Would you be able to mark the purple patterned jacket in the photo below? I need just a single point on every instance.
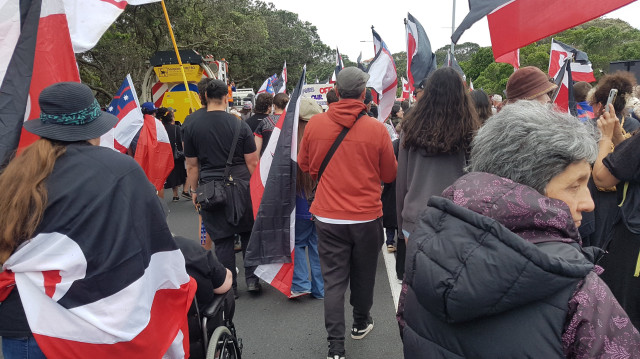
(596, 325)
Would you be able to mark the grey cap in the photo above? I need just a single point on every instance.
(351, 81)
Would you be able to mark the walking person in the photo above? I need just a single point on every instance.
(306, 235)
(347, 204)
(178, 175)
(208, 138)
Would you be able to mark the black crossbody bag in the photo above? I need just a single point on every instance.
(213, 195)
(327, 158)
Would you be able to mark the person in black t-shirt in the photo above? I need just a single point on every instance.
(266, 126)
(262, 109)
(208, 136)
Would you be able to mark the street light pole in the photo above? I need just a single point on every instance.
(453, 23)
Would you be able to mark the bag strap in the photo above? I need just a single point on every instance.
(175, 137)
(236, 134)
(334, 147)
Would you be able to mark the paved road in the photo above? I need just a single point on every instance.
(273, 326)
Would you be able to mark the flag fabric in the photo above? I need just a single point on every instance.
(126, 108)
(406, 91)
(452, 62)
(377, 41)
(359, 62)
(37, 52)
(273, 194)
(421, 61)
(471, 86)
(477, 10)
(512, 58)
(267, 85)
(280, 84)
(518, 23)
(154, 153)
(581, 69)
(383, 78)
(89, 19)
(563, 97)
(104, 280)
(339, 66)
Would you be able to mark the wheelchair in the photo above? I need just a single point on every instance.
(212, 334)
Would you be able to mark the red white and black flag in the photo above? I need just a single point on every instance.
(105, 280)
(421, 61)
(37, 52)
(563, 97)
(383, 77)
(581, 69)
(273, 194)
(339, 66)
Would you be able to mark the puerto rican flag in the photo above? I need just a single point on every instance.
(581, 69)
(383, 78)
(154, 152)
(102, 278)
(37, 52)
(89, 19)
(273, 194)
(126, 108)
(421, 61)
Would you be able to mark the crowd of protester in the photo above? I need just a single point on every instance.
(514, 225)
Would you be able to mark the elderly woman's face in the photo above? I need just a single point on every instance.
(570, 186)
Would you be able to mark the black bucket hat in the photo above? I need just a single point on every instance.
(69, 112)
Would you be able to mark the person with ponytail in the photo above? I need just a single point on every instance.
(80, 231)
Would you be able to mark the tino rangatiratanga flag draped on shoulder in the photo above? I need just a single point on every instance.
(383, 78)
(273, 194)
(421, 61)
(126, 108)
(581, 69)
(102, 278)
(36, 52)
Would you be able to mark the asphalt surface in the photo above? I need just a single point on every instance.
(273, 326)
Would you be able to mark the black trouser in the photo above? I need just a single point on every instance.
(225, 251)
(348, 255)
(401, 252)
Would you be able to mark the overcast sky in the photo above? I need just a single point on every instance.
(346, 23)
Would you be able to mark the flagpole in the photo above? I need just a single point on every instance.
(453, 23)
(175, 47)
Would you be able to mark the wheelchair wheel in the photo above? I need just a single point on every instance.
(222, 345)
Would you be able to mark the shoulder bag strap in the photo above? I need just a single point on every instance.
(334, 147)
(232, 150)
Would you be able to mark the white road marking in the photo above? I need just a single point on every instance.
(390, 263)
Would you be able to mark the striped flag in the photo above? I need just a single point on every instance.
(126, 107)
(154, 153)
(421, 61)
(281, 83)
(273, 194)
(89, 19)
(36, 52)
(383, 78)
(406, 92)
(339, 66)
(102, 277)
(563, 97)
(581, 69)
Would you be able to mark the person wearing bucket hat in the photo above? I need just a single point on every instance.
(529, 83)
(86, 219)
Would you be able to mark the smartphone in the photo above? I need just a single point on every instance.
(612, 97)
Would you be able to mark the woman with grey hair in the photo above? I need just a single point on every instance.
(495, 267)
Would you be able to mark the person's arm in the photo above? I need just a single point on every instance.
(258, 141)
(252, 160)
(596, 324)
(192, 175)
(228, 281)
(401, 186)
(609, 127)
(388, 163)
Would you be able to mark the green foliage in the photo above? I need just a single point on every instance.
(254, 37)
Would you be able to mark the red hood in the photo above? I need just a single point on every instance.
(345, 112)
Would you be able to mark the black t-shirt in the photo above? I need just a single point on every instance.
(203, 267)
(255, 120)
(208, 135)
(265, 128)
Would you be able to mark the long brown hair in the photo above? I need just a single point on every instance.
(23, 198)
(304, 182)
(445, 119)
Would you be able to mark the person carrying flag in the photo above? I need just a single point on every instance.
(347, 205)
(90, 268)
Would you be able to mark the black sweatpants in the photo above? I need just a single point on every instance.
(224, 250)
(348, 255)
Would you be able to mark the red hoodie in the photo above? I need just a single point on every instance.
(350, 188)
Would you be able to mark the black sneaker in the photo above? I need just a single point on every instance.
(254, 287)
(360, 330)
(336, 350)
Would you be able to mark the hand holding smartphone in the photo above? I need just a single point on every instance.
(612, 97)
